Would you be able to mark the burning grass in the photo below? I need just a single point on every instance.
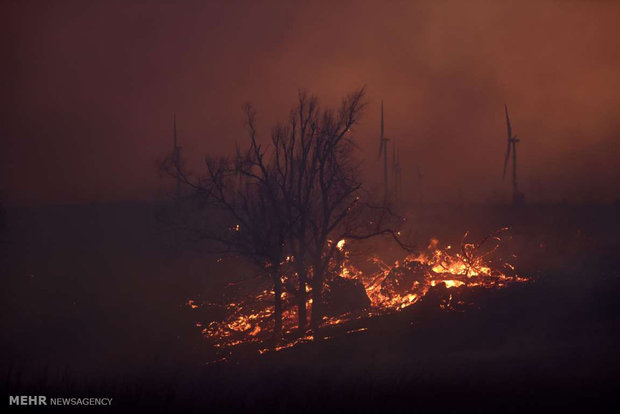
(248, 321)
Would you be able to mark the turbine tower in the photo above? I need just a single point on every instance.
(383, 150)
(512, 146)
(176, 157)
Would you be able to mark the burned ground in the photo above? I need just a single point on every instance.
(95, 296)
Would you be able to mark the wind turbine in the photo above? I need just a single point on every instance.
(512, 146)
(383, 150)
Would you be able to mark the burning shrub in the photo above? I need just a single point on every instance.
(437, 279)
(402, 278)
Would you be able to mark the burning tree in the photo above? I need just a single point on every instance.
(288, 205)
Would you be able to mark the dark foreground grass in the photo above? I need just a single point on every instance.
(550, 345)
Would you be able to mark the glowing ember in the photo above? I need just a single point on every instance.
(389, 289)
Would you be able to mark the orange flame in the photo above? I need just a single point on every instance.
(390, 288)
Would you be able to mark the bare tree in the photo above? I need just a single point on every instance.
(318, 179)
(294, 198)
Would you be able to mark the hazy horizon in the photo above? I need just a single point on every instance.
(91, 88)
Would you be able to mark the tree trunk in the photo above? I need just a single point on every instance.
(277, 313)
(302, 296)
(317, 300)
(301, 306)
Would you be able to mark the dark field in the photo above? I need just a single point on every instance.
(93, 305)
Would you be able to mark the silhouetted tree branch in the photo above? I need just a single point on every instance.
(294, 198)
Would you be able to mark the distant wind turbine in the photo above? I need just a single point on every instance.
(511, 146)
(383, 141)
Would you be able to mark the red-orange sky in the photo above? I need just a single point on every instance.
(89, 89)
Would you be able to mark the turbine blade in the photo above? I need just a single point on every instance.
(506, 160)
(381, 139)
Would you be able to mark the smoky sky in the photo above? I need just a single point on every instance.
(90, 88)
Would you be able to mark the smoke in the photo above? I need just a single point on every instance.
(91, 89)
